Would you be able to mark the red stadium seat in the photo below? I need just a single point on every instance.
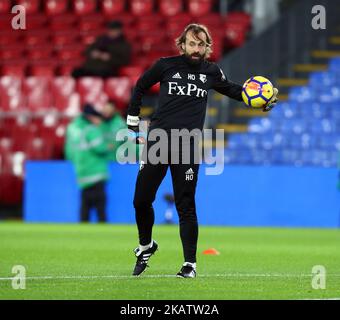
(64, 38)
(153, 56)
(63, 22)
(149, 23)
(71, 52)
(11, 52)
(59, 138)
(6, 146)
(6, 167)
(65, 97)
(143, 62)
(8, 38)
(37, 37)
(42, 70)
(37, 90)
(65, 68)
(90, 89)
(217, 52)
(32, 6)
(56, 7)
(12, 98)
(119, 90)
(90, 36)
(36, 21)
(141, 7)
(170, 7)
(153, 42)
(38, 53)
(112, 7)
(178, 22)
(5, 5)
(235, 35)
(38, 149)
(84, 7)
(6, 23)
(131, 35)
(3, 133)
(133, 80)
(22, 135)
(17, 123)
(101, 100)
(126, 19)
(14, 68)
(217, 33)
(45, 124)
(90, 84)
(90, 23)
(135, 48)
(131, 71)
(11, 186)
(199, 8)
(155, 18)
(241, 18)
(211, 20)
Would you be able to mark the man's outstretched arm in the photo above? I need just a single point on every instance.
(231, 90)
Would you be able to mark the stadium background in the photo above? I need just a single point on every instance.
(280, 168)
(270, 38)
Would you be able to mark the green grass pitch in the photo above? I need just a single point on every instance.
(92, 261)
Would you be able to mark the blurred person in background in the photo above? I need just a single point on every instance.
(107, 54)
(87, 148)
(112, 123)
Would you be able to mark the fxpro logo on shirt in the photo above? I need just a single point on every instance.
(189, 90)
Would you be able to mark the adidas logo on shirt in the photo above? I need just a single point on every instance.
(190, 171)
(189, 175)
(177, 76)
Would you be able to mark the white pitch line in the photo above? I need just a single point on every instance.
(324, 299)
(122, 277)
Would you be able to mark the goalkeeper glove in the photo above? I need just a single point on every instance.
(272, 103)
(134, 133)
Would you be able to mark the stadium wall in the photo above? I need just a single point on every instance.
(240, 196)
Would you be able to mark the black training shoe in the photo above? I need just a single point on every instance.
(187, 272)
(143, 258)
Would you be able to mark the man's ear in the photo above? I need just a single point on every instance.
(183, 46)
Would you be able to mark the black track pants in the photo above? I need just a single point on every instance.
(184, 180)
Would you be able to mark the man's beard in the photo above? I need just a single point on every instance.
(192, 60)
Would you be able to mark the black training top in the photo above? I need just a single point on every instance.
(183, 91)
